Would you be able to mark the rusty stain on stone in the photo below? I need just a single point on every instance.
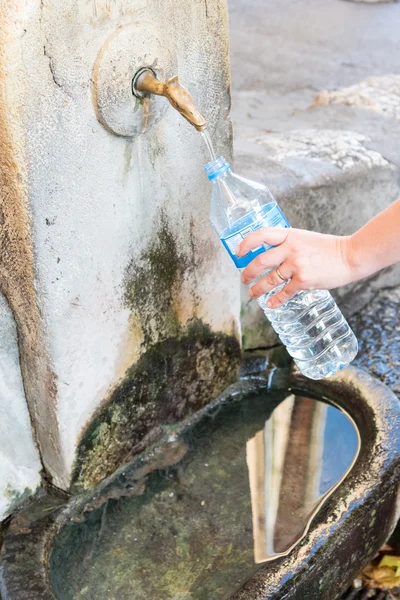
(17, 271)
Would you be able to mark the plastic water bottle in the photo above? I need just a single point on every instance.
(310, 325)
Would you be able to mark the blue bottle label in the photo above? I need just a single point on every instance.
(270, 216)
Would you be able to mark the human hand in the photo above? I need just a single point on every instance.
(310, 260)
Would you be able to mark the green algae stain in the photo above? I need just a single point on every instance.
(155, 150)
(153, 283)
(171, 380)
(139, 102)
(15, 498)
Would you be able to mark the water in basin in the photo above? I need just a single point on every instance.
(237, 488)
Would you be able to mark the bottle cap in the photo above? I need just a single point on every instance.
(216, 167)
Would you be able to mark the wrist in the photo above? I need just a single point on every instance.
(353, 257)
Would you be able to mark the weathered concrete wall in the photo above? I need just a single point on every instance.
(106, 250)
(19, 460)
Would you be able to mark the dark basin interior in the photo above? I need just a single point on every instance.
(233, 490)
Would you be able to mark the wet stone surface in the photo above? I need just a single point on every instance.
(209, 508)
(377, 327)
(171, 380)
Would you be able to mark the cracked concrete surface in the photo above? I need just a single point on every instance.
(52, 71)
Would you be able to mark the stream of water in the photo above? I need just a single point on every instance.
(207, 138)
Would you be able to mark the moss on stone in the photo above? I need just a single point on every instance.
(16, 498)
(172, 379)
(153, 282)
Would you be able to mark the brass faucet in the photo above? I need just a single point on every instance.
(145, 83)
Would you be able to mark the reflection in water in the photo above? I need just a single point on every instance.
(305, 449)
(193, 521)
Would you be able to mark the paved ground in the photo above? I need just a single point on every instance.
(283, 53)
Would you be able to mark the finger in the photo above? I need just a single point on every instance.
(273, 236)
(262, 262)
(269, 282)
(286, 293)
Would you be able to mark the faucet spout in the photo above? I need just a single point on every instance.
(146, 83)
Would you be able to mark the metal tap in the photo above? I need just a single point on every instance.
(145, 83)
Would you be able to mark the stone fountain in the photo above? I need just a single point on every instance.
(119, 335)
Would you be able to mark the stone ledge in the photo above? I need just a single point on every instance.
(378, 94)
(377, 327)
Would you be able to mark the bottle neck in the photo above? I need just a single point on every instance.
(222, 176)
(218, 172)
(217, 168)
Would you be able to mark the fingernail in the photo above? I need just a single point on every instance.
(269, 303)
(238, 252)
(251, 293)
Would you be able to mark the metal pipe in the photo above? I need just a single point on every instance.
(146, 83)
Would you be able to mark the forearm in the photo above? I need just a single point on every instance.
(377, 244)
(317, 261)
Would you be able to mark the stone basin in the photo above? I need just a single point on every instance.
(193, 518)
